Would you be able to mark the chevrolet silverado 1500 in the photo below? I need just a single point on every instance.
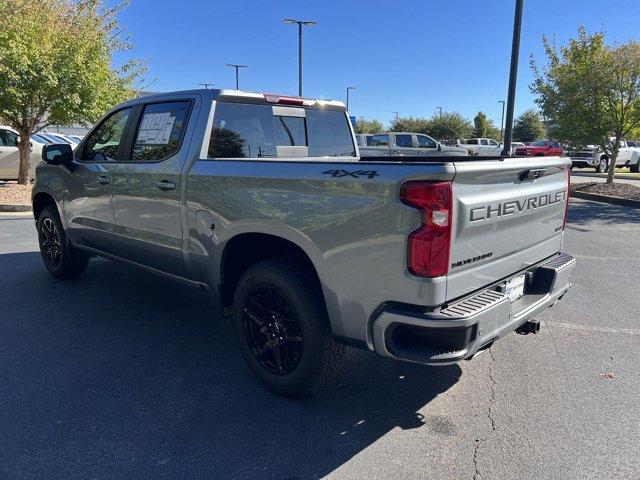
(264, 200)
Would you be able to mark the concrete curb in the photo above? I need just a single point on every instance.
(14, 208)
(606, 199)
(625, 176)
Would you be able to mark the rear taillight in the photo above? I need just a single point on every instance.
(428, 246)
(566, 206)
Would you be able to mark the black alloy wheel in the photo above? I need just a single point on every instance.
(50, 243)
(272, 330)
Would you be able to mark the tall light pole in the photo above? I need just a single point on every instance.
(300, 23)
(348, 89)
(513, 75)
(439, 110)
(502, 122)
(237, 67)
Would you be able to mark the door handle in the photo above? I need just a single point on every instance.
(103, 180)
(165, 185)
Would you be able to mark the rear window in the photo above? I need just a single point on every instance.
(256, 131)
(329, 134)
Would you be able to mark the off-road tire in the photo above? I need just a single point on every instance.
(59, 257)
(603, 165)
(320, 357)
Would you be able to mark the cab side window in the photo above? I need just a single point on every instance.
(426, 142)
(103, 143)
(404, 141)
(160, 131)
(484, 141)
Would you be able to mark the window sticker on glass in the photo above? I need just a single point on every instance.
(160, 130)
(155, 128)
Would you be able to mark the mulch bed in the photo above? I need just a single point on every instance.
(621, 190)
(14, 194)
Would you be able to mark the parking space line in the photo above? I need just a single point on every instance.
(589, 328)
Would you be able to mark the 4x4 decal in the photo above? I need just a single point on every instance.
(357, 174)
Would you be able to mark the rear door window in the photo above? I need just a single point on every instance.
(160, 131)
(404, 141)
(484, 141)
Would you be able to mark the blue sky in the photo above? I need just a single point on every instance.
(407, 56)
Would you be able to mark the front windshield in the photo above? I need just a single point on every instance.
(540, 143)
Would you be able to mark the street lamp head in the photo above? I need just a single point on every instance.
(235, 65)
(351, 88)
(291, 21)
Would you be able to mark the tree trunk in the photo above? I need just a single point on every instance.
(612, 166)
(24, 147)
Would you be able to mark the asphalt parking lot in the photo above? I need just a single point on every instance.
(123, 374)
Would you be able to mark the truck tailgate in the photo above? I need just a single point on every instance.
(508, 215)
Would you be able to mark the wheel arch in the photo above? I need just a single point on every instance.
(41, 200)
(245, 249)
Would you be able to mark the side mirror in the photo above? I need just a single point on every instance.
(57, 154)
(439, 146)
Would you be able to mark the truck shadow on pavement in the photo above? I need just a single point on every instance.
(123, 374)
(581, 213)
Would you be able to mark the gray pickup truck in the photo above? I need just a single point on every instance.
(393, 144)
(264, 200)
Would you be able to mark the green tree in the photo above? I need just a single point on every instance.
(591, 91)
(440, 127)
(56, 65)
(449, 125)
(368, 126)
(483, 127)
(528, 127)
(410, 124)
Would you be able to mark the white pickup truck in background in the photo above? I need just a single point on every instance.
(593, 156)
